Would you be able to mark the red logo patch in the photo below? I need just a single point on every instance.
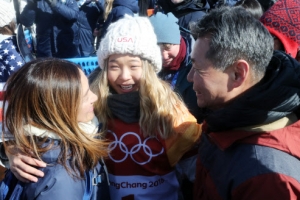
(125, 39)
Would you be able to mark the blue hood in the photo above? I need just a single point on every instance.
(131, 4)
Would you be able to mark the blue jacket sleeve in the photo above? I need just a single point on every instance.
(69, 10)
(56, 184)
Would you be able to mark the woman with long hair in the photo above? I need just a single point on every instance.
(49, 114)
(148, 125)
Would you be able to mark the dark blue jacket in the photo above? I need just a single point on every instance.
(186, 12)
(58, 184)
(120, 8)
(88, 16)
(56, 28)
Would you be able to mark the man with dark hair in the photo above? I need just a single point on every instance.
(249, 148)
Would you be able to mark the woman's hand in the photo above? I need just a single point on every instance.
(23, 167)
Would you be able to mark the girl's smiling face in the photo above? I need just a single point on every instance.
(124, 72)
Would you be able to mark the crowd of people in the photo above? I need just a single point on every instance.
(191, 100)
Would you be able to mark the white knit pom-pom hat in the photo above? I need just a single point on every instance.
(131, 35)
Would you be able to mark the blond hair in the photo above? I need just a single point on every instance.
(108, 8)
(160, 107)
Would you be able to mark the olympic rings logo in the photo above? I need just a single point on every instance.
(135, 149)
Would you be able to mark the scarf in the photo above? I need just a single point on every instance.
(125, 107)
(88, 127)
(175, 64)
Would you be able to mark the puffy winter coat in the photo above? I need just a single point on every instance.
(57, 32)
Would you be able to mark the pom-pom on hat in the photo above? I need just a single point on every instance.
(131, 35)
(283, 21)
(166, 28)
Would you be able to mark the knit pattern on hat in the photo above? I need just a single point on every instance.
(283, 21)
(166, 28)
(131, 35)
(7, 12)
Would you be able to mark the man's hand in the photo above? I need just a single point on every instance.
(23, 167)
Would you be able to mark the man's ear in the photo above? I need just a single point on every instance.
(239, 73)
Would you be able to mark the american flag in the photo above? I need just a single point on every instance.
(10, 59)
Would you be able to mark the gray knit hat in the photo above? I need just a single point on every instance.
(166, 28)
(132, 35)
